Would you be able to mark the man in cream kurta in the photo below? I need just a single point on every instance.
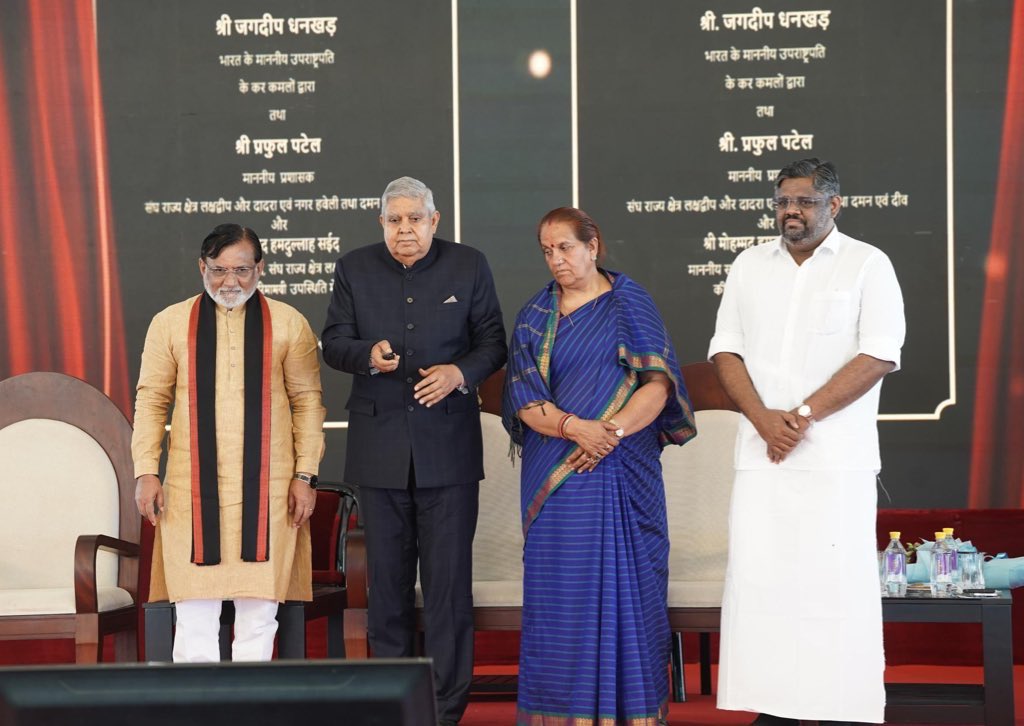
(807, 328)
(230, 263)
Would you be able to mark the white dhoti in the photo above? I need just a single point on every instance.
(801, 612)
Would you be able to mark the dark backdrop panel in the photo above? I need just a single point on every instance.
(193, 93)
(516, 135)
(705, 114)
(174, 114)
(654, 108)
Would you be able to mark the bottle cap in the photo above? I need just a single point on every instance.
(894, 535)
(948, 531)
(940, 535)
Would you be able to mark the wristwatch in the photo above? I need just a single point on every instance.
(311, 479)
(805, 411)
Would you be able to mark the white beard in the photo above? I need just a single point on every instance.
(231, 299)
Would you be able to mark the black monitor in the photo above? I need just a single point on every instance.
(380, 692)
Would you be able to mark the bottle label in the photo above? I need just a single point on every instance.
(895, 564)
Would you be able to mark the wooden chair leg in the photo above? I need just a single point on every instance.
(356, 645)
(126, 646)
(705, 664)
(87, 639)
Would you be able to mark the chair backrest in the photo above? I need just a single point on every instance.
(498, 545)
(65, 470)
(698, 482)
(698, 487)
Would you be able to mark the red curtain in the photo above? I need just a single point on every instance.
(60, 303)
(997, 463)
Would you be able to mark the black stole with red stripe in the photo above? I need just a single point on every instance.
(202, 384)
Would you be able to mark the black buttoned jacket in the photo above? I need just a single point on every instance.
(442, 309)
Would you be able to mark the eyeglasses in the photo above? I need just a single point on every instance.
(218, 273)
(782, 203)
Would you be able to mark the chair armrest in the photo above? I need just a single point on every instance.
(351, 555)
(347, 505)
(86, 599)
(336, 487)
(349, 495)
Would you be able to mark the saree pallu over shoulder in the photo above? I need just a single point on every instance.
(644, 346)
(641, 344)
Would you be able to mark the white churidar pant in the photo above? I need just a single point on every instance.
(801, 612)
(197, 632)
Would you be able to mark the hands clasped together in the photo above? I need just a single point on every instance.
(438, 380)
(595, 439)
(781, 430)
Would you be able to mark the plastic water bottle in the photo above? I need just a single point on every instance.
(951, 541)
(895, 578)
(941, 574)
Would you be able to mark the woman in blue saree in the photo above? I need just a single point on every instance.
(593, 392)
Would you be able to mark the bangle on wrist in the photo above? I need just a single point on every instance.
(562, 424)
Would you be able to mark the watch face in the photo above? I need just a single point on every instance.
(804, 411)
(313, 481)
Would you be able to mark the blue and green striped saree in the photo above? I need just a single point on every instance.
(595, 635)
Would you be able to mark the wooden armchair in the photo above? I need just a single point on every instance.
(69, 528)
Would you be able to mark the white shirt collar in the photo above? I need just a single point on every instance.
(833, 242)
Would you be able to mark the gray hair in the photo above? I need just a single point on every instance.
(823, 174)
(407, 188)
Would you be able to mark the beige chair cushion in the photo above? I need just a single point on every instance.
(695, 594)
(698, 487)
(57, 601)
(56, 483)
(498, 545)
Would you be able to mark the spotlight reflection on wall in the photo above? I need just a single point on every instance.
(539, 64)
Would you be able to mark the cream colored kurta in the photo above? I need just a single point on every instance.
(296, 444)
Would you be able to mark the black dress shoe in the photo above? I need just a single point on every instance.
(766, 719)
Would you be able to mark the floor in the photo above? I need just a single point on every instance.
(495, 710)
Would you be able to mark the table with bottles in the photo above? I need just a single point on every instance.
(955, 593)
(990, 703)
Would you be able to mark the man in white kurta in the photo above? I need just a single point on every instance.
(807, 328)
(230, 265)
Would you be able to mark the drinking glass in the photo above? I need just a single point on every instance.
(971, 575)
